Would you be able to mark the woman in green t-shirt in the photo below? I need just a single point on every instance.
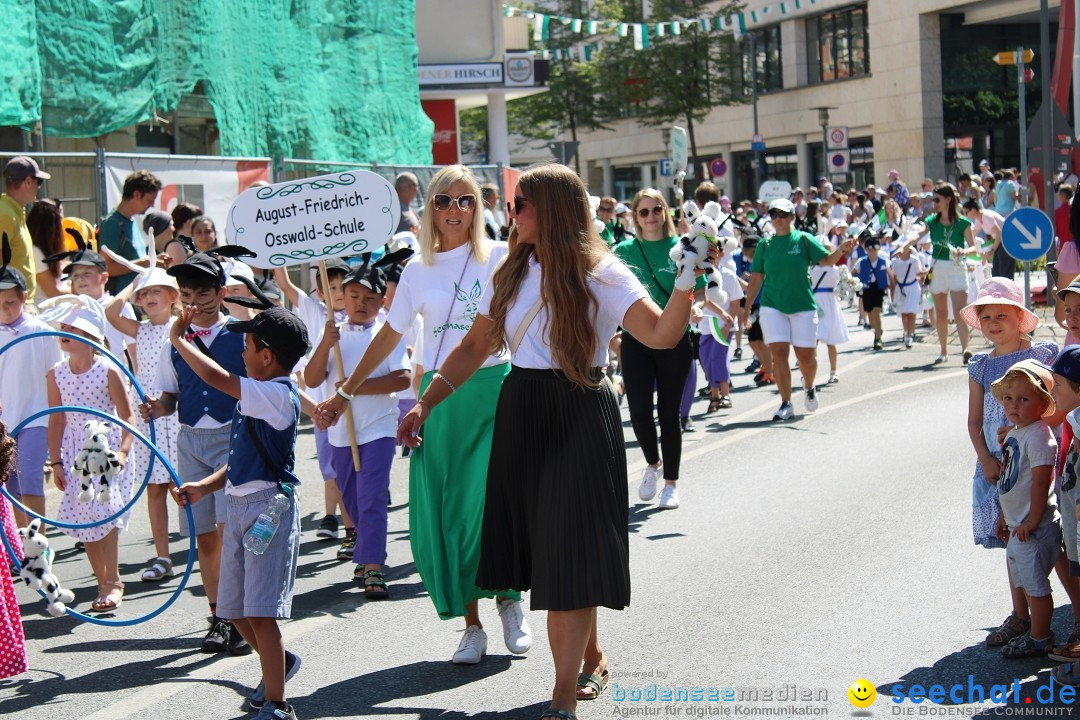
(644, 368)
(950, 234)
(788, 311)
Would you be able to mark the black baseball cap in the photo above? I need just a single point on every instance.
(85, 257)
(281, 330)
(872, 242)
(200, 266)
(1067, 363)
(372, 278)
(270, 288)
(337, 264)
(11, 278)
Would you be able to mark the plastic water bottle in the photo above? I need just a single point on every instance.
(260, 535)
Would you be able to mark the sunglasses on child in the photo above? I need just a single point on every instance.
(464, 202)
(645, 212)
(779, 214)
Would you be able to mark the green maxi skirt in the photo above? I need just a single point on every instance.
(447, 488)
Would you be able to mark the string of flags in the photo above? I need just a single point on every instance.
(736, 23)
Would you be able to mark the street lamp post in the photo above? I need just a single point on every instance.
(823, 121)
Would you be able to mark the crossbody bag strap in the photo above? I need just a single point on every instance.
(524, 326)
(819, 281)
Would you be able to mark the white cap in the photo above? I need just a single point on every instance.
(155, 277)
(621, 208)
(235, 270)
(783, 205)
(79, 311)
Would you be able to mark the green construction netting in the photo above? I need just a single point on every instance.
(317, 79)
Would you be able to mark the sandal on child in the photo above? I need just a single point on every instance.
(557, 713)
(725, 402)
(110, 600)
(374, 584)
(714, 405)
(1012, 628)
(1026, 646)
(1067, 674)
(597, 683)
(159, 569)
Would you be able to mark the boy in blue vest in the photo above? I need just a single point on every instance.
(873, 272)
(256, 590)
(205, 415)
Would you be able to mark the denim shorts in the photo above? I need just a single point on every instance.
(1031, 562)
(257, 585)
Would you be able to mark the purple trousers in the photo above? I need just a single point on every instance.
(365, 495)
(714, 360)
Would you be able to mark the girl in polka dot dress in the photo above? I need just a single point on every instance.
(155, 291)
(87, 379)
(12, 641)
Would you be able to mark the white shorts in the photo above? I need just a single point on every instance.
(948, 277)
(798, 329)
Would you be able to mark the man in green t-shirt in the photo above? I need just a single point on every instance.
(788, 312)
(116, 233)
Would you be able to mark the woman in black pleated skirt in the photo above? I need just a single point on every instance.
(555, 518)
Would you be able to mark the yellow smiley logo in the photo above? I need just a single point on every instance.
(862, 693)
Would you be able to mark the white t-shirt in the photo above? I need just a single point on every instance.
(269, 400)
(118, 340)
(908, 269)
(413, 339)
(729, 283)
(374, 416)
(167, 381)
(613, 284)
(1025, 448)
(23, 390)
(447, 306)
(313, 314)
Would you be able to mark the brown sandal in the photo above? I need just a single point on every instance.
(110, 600)
(1013, 627)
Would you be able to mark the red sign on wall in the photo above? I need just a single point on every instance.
(444, 146)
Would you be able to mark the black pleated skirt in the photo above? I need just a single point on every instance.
(555, 517)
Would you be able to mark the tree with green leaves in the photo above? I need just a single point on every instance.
(687, 75)
(573, 101)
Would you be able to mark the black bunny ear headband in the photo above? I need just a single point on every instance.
(80, 243)
(373, 277)
(259, 302)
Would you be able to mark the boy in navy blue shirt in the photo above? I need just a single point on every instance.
(873, 271)
(256, 590)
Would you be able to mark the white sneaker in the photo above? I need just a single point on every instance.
(908, 340)
(810, 399)
(833, 379)
(472, 648)
(647, 489)
(786, 412)
(516, 632)
(669, 497)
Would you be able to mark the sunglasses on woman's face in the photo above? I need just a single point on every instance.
(937, 199)
(779, 214)
(444, 202)
(645, 212)
(519, 203)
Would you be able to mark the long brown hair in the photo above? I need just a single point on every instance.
(948, 192)
(567, 248)
(45, 223)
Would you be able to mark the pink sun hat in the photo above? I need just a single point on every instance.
(1000, 291)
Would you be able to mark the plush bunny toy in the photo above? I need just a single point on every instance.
(692, 251)
(36, 569)
(96, 460)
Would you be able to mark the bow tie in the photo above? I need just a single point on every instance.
(195, 333)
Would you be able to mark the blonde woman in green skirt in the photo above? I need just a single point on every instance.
(448, 475)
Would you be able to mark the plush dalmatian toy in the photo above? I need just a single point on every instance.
(96, 460)
(36, 569)
(692, 251)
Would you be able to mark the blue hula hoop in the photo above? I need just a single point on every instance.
(69, 408)
(156, 454)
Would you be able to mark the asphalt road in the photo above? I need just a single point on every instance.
(805, 556)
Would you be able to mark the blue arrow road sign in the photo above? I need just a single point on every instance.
(1027, 234)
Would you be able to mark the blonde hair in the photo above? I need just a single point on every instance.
(429, 235)
(568, 249)
(652, 194)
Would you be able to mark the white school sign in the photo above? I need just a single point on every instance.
(305, 221)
